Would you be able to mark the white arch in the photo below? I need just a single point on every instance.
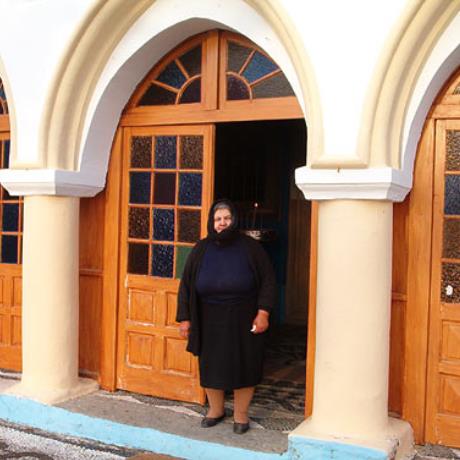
(159, 30)
(443, 61)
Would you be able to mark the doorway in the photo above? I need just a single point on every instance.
(254, 167)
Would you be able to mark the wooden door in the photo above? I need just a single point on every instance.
(443, 397)
(11, 210)
(166, 194)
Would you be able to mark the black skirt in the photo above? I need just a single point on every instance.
(231, 355)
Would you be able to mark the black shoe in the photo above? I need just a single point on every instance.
(208, 422)
(240, 428)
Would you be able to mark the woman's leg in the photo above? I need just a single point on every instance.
(242, 398)
(216, 402)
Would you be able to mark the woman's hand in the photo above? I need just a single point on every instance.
(184, 329)
(260, 323)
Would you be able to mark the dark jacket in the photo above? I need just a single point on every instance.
(188, 308)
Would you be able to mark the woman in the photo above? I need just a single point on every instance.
(225, 296)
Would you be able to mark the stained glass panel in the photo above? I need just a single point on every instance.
(9, 249)
(164, 188)
(182, 252)
(191, 152)
(172, 76)
(237, 89)
(6, 154)
(141, 152)
(139, 187)
(192, 93)
(10, 218)
(162, 260)
(157, 95)
(450, 289)
(3, 103)
(451, 244)
(276, 86)
(163, 224)
(138, 258)
(139, 223)
(258, 67)
(452, 195)
(189, 225)
(237, 55)
(190, 185)
(191, 60)
(453, 150)
(165, 152)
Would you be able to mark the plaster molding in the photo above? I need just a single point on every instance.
(395, 77)
(30, 182)
(353, 184)
(90, 49)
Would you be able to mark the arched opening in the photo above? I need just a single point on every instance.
(214, 117)
(11, 218)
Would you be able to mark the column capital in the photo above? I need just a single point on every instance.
(29, 182)
(353, 184)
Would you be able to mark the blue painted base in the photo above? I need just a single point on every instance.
(57, 420)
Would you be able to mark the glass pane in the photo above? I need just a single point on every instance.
(172, 76)
(162, 260)
(141, 152)
(190, 189)
(139, 223)
(192, 93)
(6, 154)
(191, 60)
(157, 95)
(452, 195)
(163, 224)
(9, 249)
(453, 151)
(276, 86)
(7, 196)
(236, 89)
(259, 66)
(450, 289)
(164, 188)
(181, 257)
(189, 226)
(451, 246)
(139, 187)
(191, 152)
(165, 152)
(10, 217)
(138, 258)
(237, 55)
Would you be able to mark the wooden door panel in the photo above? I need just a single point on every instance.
(443, 386)
(162, 216)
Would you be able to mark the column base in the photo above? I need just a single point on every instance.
(48, 395)
(395, 443)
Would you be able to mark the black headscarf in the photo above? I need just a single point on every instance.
(230, 233)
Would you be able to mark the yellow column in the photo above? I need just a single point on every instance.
(353, 323)
(50, 301)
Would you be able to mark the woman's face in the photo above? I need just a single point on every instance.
(222, 219)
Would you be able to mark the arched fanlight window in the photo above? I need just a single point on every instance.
(11, 207)
(3, 103)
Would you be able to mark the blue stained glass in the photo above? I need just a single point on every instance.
(2, 91)
(10, 217)
(6, 154)
(163, 224)
(162, 260)
(452, 195)
(165, 152)
(172, 76)
(190, 185)
(259, 66)
(9, 249)
(139, 187)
